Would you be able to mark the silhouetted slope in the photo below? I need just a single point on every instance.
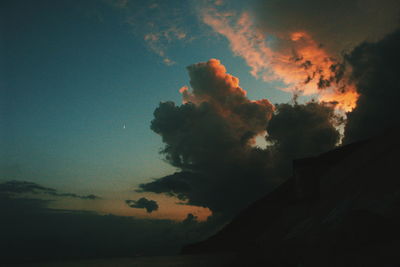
(340, 208)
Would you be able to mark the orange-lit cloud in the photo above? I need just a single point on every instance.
(346, 100)
(296, 59)
(222, 90)
(212, 141)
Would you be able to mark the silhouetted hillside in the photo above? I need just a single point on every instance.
(341, 208)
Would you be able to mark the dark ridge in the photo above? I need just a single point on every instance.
(338, 205)
(266, 211)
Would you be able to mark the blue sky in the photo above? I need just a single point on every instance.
(74, 73)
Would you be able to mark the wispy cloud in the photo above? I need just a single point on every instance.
(295, 58)
(158, 41)
(160, 24)
(24, 187)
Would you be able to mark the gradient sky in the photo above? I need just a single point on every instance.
(84, 115)
(80, 84)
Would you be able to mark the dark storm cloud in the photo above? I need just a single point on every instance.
(338, 25)
(177, 185)
(303, 130)
(376, 73)
(143, 203)
(23, 187)
(211, 139)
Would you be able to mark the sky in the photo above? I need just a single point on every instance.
(81, 85)
(179, 114)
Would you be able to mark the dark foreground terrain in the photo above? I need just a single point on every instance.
(341, 208)
(200, 260)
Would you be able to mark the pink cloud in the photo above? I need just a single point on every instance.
(299, 62)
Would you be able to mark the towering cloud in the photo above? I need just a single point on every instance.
(211, 139)
(376, 73)
(217, 120)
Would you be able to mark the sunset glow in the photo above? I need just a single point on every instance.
(301, 63)
(137, 129)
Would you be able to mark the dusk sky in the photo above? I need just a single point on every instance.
(182, 113)
(81, 84)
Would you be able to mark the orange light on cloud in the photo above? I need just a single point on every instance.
(345, 101)
(169, 208)
(299, 61)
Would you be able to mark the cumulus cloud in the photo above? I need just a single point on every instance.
(23, 187)
(143, 203)
(211, 139)
(376, 73)
(215, 120)
(312, 129)
(299, 131)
